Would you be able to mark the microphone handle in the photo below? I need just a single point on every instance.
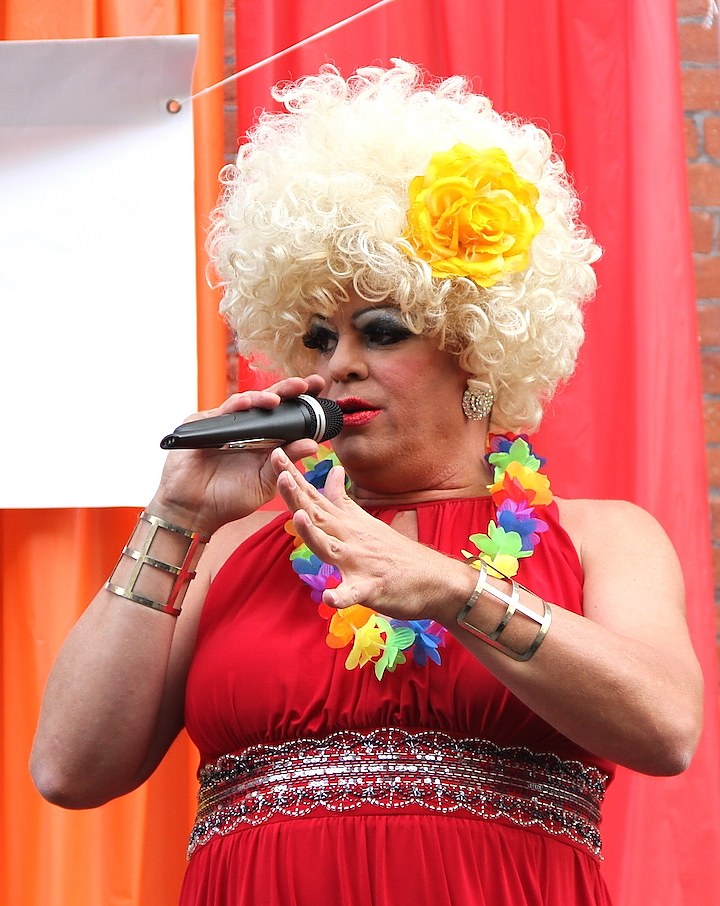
(252, 428)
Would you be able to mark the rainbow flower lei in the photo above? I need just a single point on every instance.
(518, 489)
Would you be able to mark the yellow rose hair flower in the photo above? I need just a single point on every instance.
(471, 215)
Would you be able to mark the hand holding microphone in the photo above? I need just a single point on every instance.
(304, 416)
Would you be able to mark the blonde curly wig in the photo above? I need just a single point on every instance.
(317, 204)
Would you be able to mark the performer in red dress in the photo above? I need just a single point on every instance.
(413, 685)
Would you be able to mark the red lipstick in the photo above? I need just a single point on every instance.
(357, 412)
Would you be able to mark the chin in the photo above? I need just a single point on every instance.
(359, 452)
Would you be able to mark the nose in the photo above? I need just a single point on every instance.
(348, 361)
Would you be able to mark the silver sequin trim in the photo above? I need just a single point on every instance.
(393, 769)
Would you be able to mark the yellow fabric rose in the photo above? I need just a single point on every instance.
(471, 215)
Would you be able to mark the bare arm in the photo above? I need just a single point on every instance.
(114, 700)
(621, 681)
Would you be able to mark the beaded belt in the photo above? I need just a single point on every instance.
(394, 769)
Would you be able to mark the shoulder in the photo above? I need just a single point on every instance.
(228, 538)
(610, 526)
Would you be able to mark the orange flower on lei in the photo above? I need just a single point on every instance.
(344, 624)
(532, 485)
(471, 215)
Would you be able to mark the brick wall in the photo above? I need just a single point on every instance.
(700, 65)
(700, 68)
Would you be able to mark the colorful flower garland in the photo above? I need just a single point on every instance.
(518, 489)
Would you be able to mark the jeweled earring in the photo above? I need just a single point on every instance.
(477, 400)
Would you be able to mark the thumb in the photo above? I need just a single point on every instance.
(343, 595)
(335, 487)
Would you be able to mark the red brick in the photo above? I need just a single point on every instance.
(703, 231)
(698, 44)
(712, 455)
(715, 516)
(711, 136)
(231, 128)
(707, 276)
(230, 88)
(710, 362)
(701, 89)
(691, 138)
(687, 7)
(704, 184)
(229, 36)
(711, 419)
(709, 324)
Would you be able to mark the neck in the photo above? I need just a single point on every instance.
(401, 487)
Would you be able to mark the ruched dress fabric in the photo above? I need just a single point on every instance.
(262, 675)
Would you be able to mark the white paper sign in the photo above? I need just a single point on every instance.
(98, 355)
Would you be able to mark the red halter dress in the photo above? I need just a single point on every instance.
(433, 785)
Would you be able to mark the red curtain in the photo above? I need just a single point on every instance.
(130, 852)
(604, 79)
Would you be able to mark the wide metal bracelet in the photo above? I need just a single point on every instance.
(184, 573)
(512, 607)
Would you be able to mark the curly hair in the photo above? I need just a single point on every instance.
(316, 205)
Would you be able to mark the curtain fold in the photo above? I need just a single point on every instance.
(53, 561)
(604, 80)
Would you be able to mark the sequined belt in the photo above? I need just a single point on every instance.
(393, 769)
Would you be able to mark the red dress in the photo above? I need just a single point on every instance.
(266, 692)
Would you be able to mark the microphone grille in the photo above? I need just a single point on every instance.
(333, 419)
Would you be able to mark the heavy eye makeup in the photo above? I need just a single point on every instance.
(377, 327)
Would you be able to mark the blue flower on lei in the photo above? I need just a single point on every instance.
(318, 476)
(428, 639)
(517, 516)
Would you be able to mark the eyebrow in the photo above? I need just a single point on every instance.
(363, 311)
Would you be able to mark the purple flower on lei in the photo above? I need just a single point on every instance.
(516, 516)
(316, 574)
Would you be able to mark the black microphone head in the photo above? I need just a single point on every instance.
(333, 419)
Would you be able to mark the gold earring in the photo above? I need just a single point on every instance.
(478, 399)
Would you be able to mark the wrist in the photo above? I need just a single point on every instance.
(450, 585)
(495, 606)
(187, 517)
(157, 564)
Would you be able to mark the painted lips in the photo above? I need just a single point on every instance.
(357, 412)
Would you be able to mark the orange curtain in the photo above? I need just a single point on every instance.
(130, 852)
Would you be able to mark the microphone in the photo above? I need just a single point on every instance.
(260, 429)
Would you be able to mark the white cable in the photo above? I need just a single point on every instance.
(175, 106)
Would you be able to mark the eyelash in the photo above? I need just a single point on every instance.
(319, 338)
(382, 332)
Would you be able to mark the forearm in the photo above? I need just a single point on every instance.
(101, 704)
(616, 696)
(107, 700)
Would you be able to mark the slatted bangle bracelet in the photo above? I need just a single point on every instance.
(512, 607)
(183, 574)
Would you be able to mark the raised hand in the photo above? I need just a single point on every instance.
(204, 489)
(381, 568)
